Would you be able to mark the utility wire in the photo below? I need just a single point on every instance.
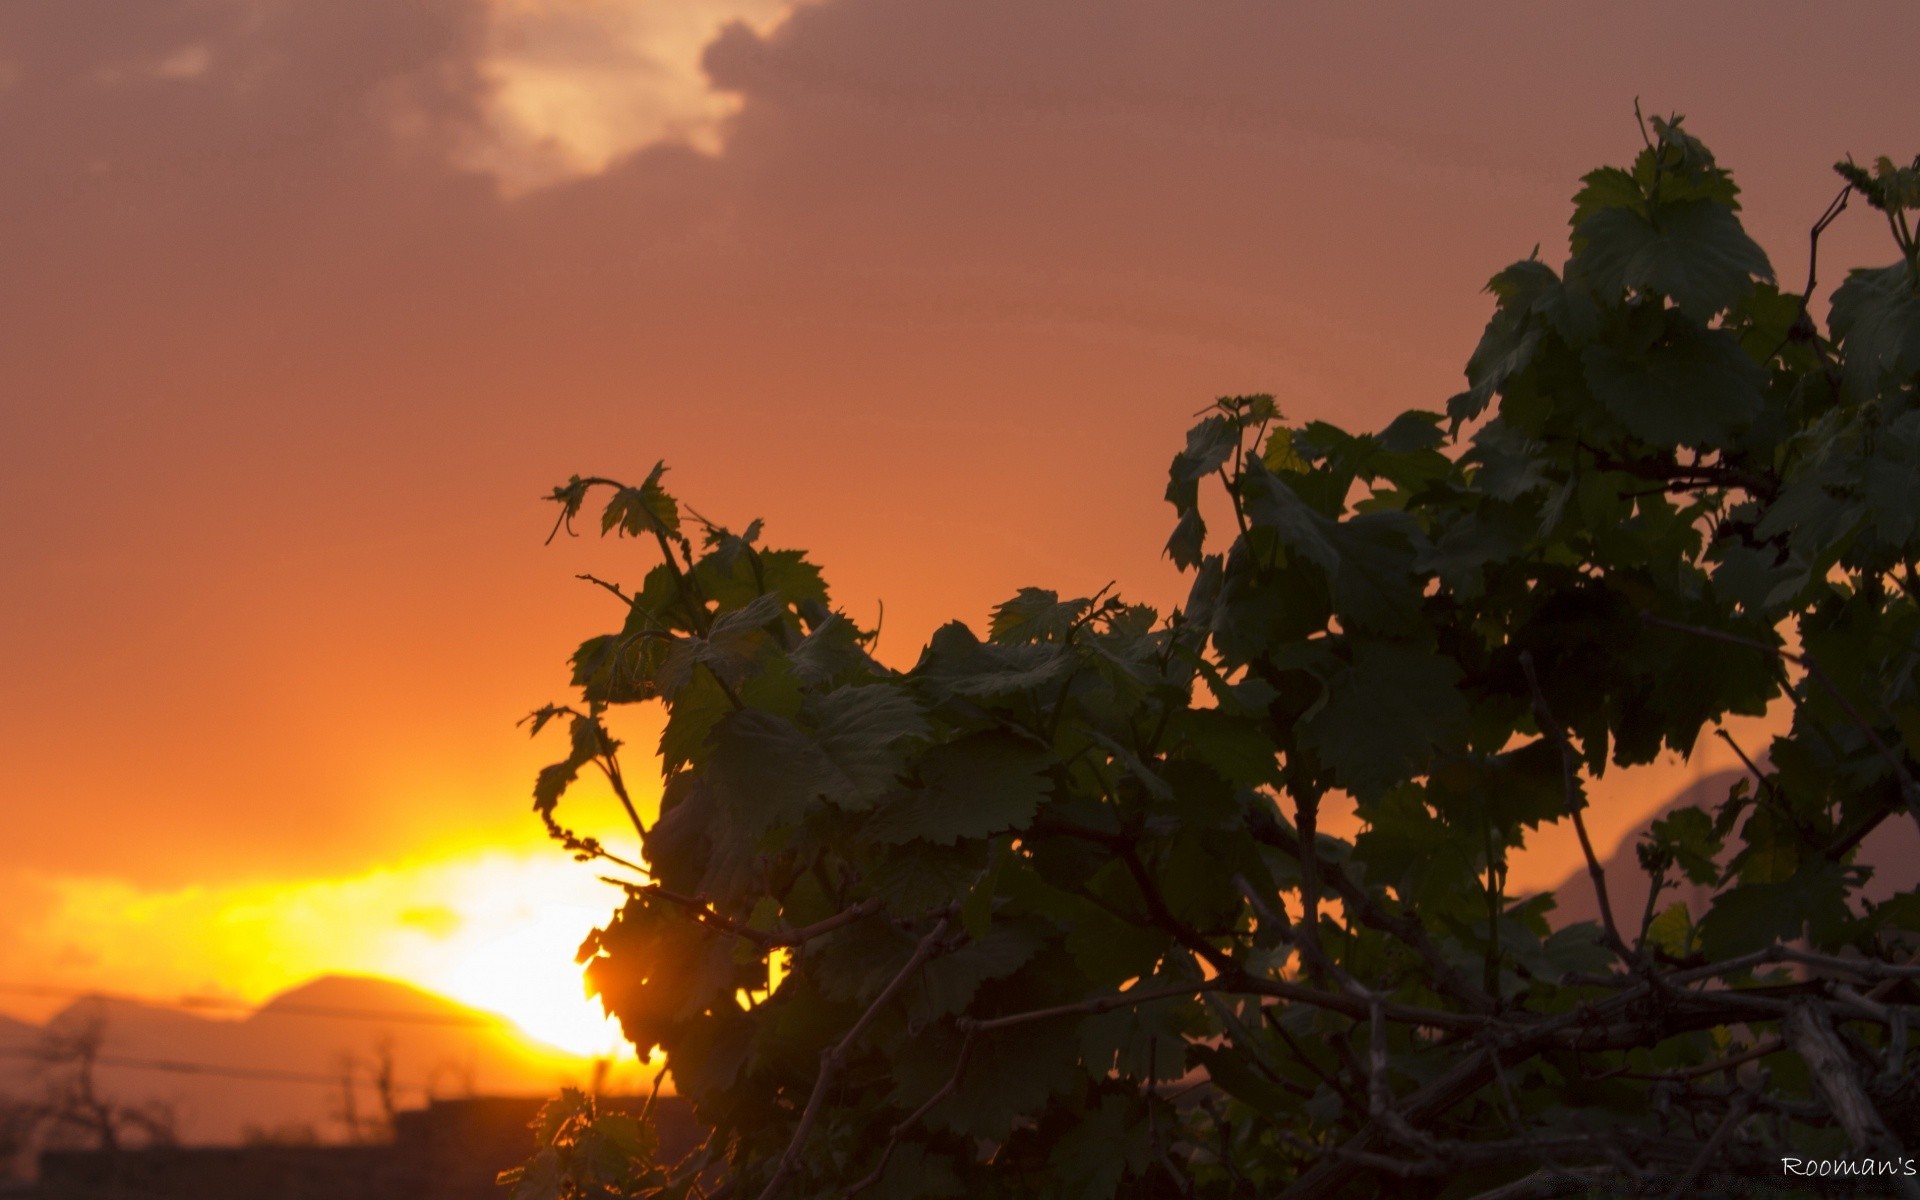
(217, 1003)
(267, 1074)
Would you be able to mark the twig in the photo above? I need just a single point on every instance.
(948, 1088)
(1570, 780)
(1405, 926)
(1549, 1182)
(1909, 789)
(1837, 206)
(831, 1060)
(764, 938)
(1760, 1049)
(615, 588)
(1098, 1004)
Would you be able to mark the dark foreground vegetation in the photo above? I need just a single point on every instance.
(1050, 914)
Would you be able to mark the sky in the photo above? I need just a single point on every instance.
(305, 303)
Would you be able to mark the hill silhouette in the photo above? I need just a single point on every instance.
(282, 1071)
(1892, 850)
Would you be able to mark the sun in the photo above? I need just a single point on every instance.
(507, 946)
(527, 974)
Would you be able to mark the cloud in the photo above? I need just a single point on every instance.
(933, 285)
(578, 84)
(491, 929)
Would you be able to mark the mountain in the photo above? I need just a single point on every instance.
(1893, 851)
(284, 1069)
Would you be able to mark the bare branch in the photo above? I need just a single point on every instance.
(1570, 779)
(1812, 1036)
(1098, 1004)
(766, 939)
(836, 1054)
(1909, 789)
(914, 1118)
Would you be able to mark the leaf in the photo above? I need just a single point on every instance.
(1094, 1154)
(1368, 558)
(636, 511)
(956, 662)
(766, 770)
(862, 731)
(1696, 387)
(1511, 339)
(1672, 930)
(972, 788)
(1010, 1075)
(1688, 833)
(1036, 615)
(1189, 539)
(1753, 915)
(1209, 445)
(947, 983)
(1697, 255)
(1876, 321)
(1384, 715)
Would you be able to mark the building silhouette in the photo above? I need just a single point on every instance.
(449, 1150)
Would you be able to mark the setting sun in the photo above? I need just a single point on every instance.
(496, 931)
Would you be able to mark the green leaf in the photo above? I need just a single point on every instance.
(1037, 615)
(1209, 445)
(1695, 387)
(640, 510)
(766, 770)
(1385, 714)
(864, 732)
(1753, 915)
(1094, 1154)
(1697, 255)
(1512, 336)
(1368, 558)
(947, 984)
(971, 788)
(1876, 321)
(956, 662)
(1672, 930)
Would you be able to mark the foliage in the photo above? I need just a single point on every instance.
(1051, 914)
(585, 1154)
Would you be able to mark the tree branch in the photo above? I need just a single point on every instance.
(835, 1056)
(1570, 779)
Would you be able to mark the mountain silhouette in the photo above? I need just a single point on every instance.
(1892, 850)
(283, 1070)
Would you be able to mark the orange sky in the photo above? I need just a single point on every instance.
(304, 303)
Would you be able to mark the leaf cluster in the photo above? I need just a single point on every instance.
(1051, 913)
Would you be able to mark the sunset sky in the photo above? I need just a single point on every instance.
(305, 303)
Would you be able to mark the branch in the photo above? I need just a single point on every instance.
(1909, 789)
(1240, 983)
(764, 938)
(836, 1054)
(948, 1088)
(1812, 1037)
(1549, 1182)
(1736, 1113)
(1543, 716)
(1405, 926)
(615, 588)
(1801, 320)
(1098, 1004)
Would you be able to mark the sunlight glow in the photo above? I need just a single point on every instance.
(577, 84)
(494, 930)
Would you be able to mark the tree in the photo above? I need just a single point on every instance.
(1051, 914)
(73, 1110)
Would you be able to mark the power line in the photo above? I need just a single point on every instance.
(266, 1074)
(217, 1003)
